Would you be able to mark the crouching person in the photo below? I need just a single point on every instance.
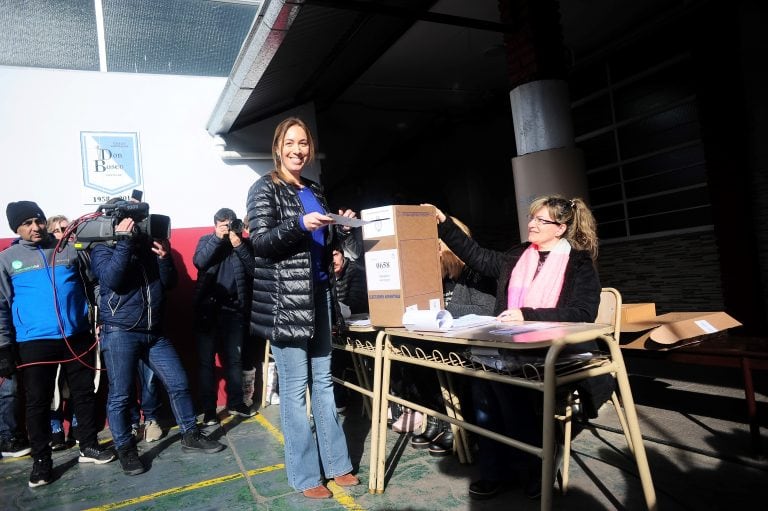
(133, 276)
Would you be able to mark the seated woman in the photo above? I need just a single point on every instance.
(552, 277)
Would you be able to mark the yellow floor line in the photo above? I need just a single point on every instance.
(339, 494)
(187, 487)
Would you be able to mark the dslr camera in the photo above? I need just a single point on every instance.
(236, 226)
(101, 229)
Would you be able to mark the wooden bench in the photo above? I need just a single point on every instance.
(725, 350)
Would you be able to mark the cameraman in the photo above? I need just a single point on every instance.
(133, 276)
(222, 303)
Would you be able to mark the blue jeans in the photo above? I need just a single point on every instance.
(150, 397)
(8, 408)
(302, 363)
(122, 351)
(224, 336)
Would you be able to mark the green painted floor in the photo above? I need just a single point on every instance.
(697, 444)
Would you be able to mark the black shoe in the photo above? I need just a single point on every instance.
(195, 441)
(73, 435)
(210, 418)
(442, 445)
(95, 455)
(130, 461)
(58, 442)
(241, 410)
(42, 472)
(423, 440)
(485, 489)
(533, 488)
(15, 447)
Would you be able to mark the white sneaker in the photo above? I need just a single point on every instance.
(152, 431)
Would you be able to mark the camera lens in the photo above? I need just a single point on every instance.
(236, 225)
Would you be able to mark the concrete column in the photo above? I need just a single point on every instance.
(547, 161)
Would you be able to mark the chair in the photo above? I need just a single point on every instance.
(265, 370)
(609, 312)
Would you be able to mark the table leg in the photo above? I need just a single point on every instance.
(378, 406)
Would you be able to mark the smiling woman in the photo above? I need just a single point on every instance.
(295, 304)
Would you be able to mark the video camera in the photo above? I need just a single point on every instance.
(102, 228)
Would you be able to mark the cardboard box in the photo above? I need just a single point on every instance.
(675, 329)
(637, 312)
(402, 263)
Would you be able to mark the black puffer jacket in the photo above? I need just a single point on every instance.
(283, 300)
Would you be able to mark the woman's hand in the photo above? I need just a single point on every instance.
(314, 221)
(439, 214)
(510, 315)
(349, 214)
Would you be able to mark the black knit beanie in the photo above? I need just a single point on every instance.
(19, 212)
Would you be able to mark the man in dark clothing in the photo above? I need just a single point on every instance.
(351, 287)
(222, 303)
(133, 277)
(352, 291)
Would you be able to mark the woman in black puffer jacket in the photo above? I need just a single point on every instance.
(293, 305)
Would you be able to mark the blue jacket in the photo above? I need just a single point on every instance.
(27, 277)
(132, 284)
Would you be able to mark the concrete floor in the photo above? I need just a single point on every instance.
(697, 443)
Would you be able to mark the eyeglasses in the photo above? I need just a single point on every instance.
(541, 221)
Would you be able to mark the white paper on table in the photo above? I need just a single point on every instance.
(362, 319)
(428, 320)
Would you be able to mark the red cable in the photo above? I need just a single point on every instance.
(59, 247)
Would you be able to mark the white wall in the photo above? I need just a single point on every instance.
(42, 113)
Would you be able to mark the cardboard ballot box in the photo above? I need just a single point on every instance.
(643, 329)
(402, 263)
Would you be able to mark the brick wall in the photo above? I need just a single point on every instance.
(678, 273)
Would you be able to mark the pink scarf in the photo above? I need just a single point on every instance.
(544, 290)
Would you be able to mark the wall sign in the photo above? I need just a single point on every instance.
(111, 165)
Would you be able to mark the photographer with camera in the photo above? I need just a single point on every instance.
(225, 266)
(134, 273)
(47, 328)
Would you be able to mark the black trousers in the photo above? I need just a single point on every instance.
(39, 379)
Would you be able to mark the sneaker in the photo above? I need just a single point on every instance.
(42, 472)
(152, 431)
(241, 410)
(130, 461)
(58, 442)
(195, 441)
(95, 455)
(210, 418)
(15, 447)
